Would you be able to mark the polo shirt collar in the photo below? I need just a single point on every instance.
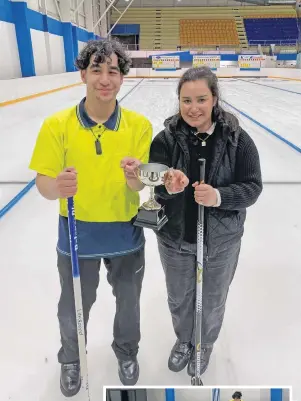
(112, 123)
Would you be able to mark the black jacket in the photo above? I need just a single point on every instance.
(235, 172)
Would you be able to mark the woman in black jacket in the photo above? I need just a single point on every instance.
(232, 183)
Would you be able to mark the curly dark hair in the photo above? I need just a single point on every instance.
(103, 49)
(237, 395)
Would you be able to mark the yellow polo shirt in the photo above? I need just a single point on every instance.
(104, 204)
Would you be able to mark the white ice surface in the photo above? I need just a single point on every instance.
(260, 340)
(278, 110)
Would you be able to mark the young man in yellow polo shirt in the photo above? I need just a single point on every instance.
(89, 151)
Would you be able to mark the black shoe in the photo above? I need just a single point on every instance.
(70, 379)
(128, 372)
(205, 358)
(179, 356)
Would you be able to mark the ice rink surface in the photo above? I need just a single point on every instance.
(260, 340)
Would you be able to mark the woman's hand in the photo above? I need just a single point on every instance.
(204, 194)
(175, 181)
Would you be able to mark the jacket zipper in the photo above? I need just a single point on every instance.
(213, 175)
(207, 218)
(184, 203)
(184, 211)
(184, 208)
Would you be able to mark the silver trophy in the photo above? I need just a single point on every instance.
(151, 214)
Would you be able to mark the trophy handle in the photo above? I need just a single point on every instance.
(137, 175)
(150, 178)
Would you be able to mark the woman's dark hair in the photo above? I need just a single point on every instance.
(205, 73)
(103, 49)
(237, 395)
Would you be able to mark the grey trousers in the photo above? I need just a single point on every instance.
(125, 275)
(180, 274)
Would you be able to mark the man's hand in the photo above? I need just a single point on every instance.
(66, 183)
(130, 167)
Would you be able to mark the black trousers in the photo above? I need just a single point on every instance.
(125, 275)
(180, 275)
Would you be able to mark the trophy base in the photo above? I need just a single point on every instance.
(154, 219)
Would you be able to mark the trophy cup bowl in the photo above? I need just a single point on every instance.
(151, 214)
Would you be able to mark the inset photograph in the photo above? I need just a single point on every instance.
(198, 394)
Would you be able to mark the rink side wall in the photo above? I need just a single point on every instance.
(35, 44)
(21, 89)
(248, 394)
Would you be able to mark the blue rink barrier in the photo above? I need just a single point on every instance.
(216, 392)
(249, 69)
(276, 394)
(169, 394)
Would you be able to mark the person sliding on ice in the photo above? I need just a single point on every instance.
(89, 151)
(202, 129)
